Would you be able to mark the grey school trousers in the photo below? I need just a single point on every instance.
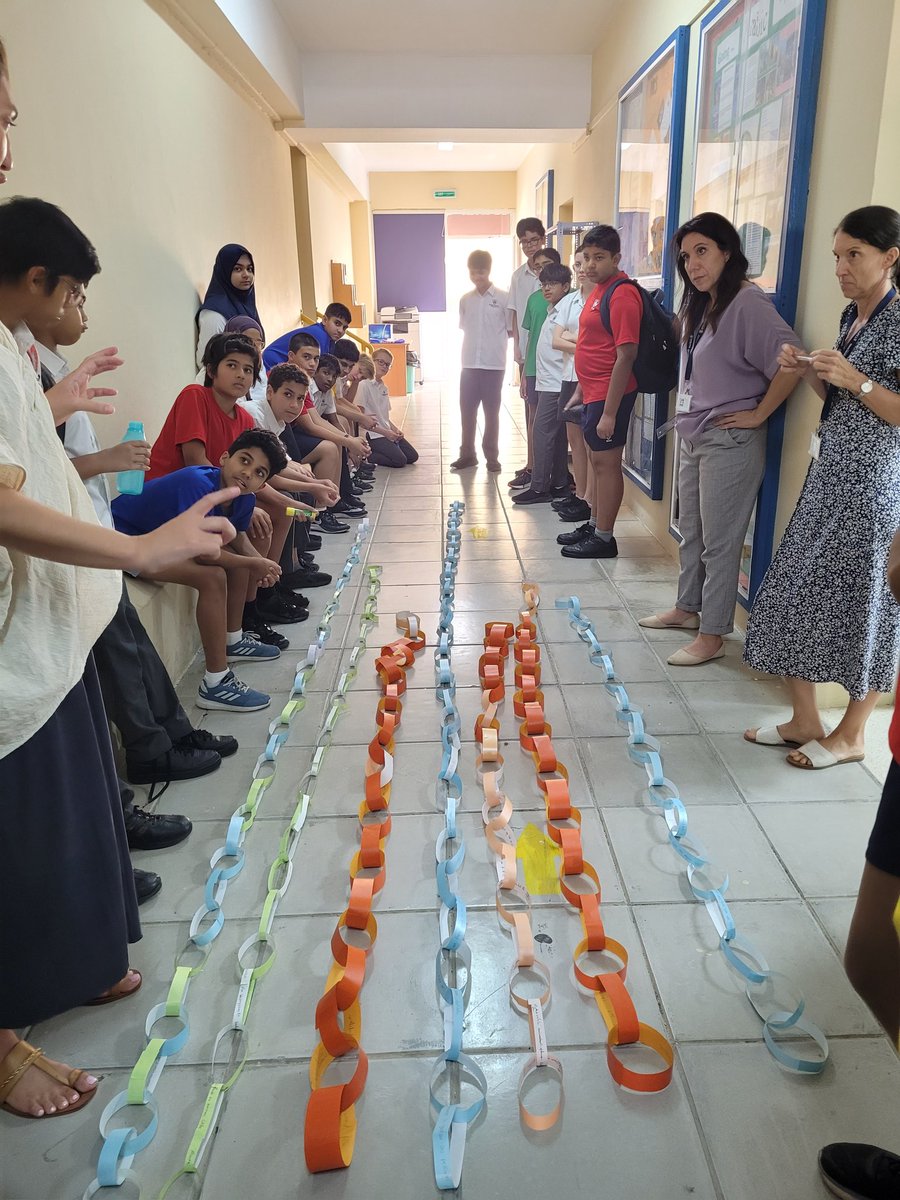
(550, 448)
(718, 477)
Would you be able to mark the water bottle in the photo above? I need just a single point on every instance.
(131, 483)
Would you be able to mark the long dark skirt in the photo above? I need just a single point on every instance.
(67, 904)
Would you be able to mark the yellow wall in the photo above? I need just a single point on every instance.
(545, 157)
(329, 219)
(404, 191)
(160, 163)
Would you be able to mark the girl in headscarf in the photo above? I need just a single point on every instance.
(231, 293)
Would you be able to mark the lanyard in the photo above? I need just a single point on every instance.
(847, 344)
(691, 347)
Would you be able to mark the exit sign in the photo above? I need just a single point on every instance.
(444, 195)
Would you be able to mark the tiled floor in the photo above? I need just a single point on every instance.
(732, 1126)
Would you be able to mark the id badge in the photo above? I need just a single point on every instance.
(683, 402)
(815, 444)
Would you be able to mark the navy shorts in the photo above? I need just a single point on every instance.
(591, 414)
(305, 443)
(884, 843)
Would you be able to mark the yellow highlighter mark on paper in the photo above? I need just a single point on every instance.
(539, 856)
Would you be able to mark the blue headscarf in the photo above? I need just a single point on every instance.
(221, 296)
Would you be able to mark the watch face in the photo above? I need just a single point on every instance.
(867, 387)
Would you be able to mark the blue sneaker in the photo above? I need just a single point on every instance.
(250, 647)
(232, 695)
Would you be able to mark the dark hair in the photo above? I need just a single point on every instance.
(330, 363)
(265, 440)
(479, 260)
(556, 273)
(878, 226)
(301, 338)
(287, 373)
(530, 225)
(694, 303)
(346, 350)
(341, 311)
(578, 249)
(549, 252)
(34, 233)
(603, 237)
(221, 346)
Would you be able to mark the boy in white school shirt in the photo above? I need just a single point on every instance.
(484, 320)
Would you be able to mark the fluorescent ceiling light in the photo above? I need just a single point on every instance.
(445, 145)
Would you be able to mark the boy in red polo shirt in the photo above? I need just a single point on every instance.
(603, 364)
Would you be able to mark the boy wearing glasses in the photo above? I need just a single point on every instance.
(531, 236)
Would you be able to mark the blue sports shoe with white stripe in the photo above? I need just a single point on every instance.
(250, 647)
(232, 695)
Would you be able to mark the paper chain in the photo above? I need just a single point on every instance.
(512, 900)
(454, 958)
(122, 1143)
(564, 827)
(330, 1131)
(776, 1001)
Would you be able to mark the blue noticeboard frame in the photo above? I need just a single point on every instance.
(786, 286)
(651, 480)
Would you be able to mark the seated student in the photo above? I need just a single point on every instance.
(550, 475)
(333, 325)
(349, 413)
(231, 293)
(484, 320)
(252, 331)
(221, 585)
(389, 447)
(530, 327)
(159, 741)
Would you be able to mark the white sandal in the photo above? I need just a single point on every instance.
(655, 622)
(769, 737)
(820, 758)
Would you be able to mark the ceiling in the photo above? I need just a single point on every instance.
(425, 156)
(436, 27)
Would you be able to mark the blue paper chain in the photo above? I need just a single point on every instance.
(454, 957)
(775, 1000)
(120, 1145)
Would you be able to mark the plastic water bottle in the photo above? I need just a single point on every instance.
(131, 483)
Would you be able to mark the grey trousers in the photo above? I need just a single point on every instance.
(550, 448)
(719, 476)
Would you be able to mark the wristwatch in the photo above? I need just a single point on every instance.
(865, 389)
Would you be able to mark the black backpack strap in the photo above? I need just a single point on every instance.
(607, 298)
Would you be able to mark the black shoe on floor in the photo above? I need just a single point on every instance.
(561, 493)
(366, 469)
(855, 1171)
(266, 634)
(202, 739)
(287, 593)
(349, 508)
(154, 831)
(578, 510)
(313, 542)
(559, 502)
(530, 496)
(146, 884)
(181, 762)
(280, 611)
(575, 535)
(494, 466)
(520, 479)
(463, 463)
(359, 489)
(329, 523)
(306, 561)
(306, 577)
(592, 547)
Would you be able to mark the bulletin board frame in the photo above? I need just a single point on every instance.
(785, 37)
(658, 88)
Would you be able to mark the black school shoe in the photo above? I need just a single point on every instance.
(266, 634)
(306, 577)
(202, 739)
(154, 831)
(285, 591)
(463, 463)
(575, 535)
(577, 510)
(592, 547)
(530, 496)
(329, 523)
(313, 542)
(350, 508)
(521, 479)
(180, 762)
(856, 1171)
(146, 884)
(280, 611)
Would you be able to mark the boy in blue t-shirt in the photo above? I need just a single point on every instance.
(221, 583)
(331, 328)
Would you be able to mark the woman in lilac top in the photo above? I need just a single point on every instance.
(729, 385)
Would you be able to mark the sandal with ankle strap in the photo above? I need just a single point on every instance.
(13, 1067)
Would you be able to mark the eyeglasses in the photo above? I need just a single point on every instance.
(527, 242)
(75, 294)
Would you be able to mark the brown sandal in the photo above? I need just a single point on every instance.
(119, 992)
(20, 1058)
